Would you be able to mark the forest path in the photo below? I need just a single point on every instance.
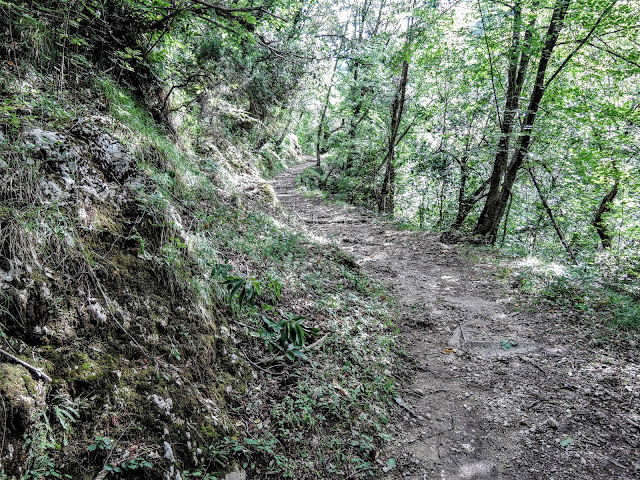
(496, 392)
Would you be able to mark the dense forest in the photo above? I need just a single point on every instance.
(164, 315)
(513, 125)
(510, 124)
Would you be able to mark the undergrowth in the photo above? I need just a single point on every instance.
(601, 291)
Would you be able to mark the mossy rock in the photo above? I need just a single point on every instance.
(18, 392)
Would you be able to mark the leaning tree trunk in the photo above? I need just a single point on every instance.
(605, 208)
(552, 217)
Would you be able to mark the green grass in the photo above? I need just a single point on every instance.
(595, 301)
(601, 294)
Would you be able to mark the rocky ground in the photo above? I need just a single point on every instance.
(501, 387)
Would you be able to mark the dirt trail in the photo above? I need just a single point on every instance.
(496, 392)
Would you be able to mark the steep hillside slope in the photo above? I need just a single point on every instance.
(187, 327)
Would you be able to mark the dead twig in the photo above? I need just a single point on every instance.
(246, 357)
(317, 343)
(534, 364)
(38, 373)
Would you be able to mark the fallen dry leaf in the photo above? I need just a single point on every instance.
(340, 390)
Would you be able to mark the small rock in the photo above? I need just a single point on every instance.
(236, 475)
(98, 313)
(467, 447)
(168, 452)
(164, 404)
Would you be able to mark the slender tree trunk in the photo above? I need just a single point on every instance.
(323, 116)
(547, 208)
(464, 176)
(536, 229)
(441, 204)
(386, 201)
(506, 221)
(359, 23)
(353, 122)
(465, 204)
(599, 221)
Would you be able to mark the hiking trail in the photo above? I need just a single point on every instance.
(498, 389)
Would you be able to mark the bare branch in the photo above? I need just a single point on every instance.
(31, 368)
(228, 10)
(581, 44)
(617, 55)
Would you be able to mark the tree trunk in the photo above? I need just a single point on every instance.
(465, 204)
(386, 200)
(547, 208)
(506, 221)
(323, 116)
(353, 123)
(605, 208)
(503, 175)
(506, 125)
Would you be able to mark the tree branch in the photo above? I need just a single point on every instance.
(228, 10)
(581, 44)
(617, 55)
(29, 367)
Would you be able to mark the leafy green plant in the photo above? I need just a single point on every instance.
(66, 412)
(142, 244)
(247, 451)
(42, 438)
(221, 270)
(106, 444)
(101, 443)
(508, 344)
(196, 474)
(243, 290)
(276, 288)
(286, 334)
(131, 464)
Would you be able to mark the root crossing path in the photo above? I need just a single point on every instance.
(499, 389)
